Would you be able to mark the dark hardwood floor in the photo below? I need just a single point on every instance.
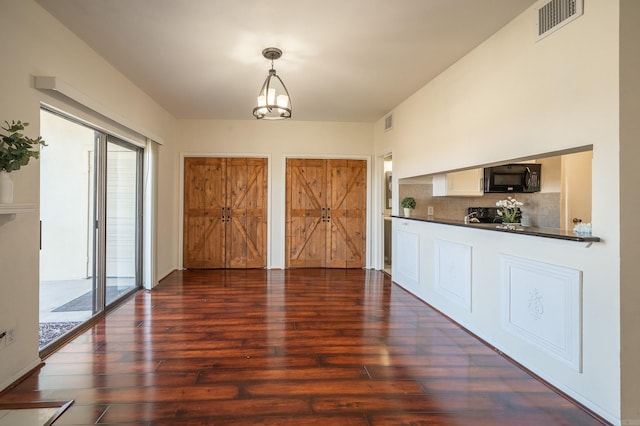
(296, 347)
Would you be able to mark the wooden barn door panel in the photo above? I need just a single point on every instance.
(256, 212)
(305, 224)
(246, 223)
(204, 199)
(346, 239)
(356, 215)
(338, 187)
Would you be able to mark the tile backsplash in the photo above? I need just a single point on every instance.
(541, 209)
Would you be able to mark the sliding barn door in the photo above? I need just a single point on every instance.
(246, 230)
(347, 200)
(306, 224)
(326, 213)
(225, 212)
(204, 203)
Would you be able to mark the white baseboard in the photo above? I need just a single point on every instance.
(11, 380)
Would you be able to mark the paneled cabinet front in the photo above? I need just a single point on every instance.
(225, 212)
(406, 254)
(468, 183)
(326, 213)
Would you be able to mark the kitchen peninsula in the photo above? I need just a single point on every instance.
(518, 288)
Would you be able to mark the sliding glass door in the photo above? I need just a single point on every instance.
(122, 218)
(67, 176)
(90, 208)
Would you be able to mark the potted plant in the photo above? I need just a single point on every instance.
(16, 150)
(408, 204)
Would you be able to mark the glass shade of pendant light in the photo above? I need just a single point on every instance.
(273, 102)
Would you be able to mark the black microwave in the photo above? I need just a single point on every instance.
(512, 178)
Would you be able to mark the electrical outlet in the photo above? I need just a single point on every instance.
(430, 211)
(11, 336)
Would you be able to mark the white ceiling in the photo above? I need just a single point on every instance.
(343, 60)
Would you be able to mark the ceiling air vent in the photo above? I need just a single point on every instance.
(388, 123)
(555, 14)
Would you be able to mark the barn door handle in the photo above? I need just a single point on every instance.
(222, 218)
(328, 214)
(324, 215)
(228, 214)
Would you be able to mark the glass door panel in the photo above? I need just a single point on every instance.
(122, 251)
(66, 212)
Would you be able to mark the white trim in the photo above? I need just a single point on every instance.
(92, 123)
(11, 380)
(378, 212)
(57, 85)
(17, 208)
(369, 225)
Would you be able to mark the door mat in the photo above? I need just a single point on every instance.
(85, 302)
(32, 413)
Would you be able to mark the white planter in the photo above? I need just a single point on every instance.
(407, 212)
(6, 188)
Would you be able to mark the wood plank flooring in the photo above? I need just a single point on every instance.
(295, 347)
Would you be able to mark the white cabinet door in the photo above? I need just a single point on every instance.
(467, 183)
(439, 185)
(406, 254)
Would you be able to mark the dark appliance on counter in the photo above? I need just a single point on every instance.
(512, 178)
(484, 215)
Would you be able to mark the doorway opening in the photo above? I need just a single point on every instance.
(387, 192)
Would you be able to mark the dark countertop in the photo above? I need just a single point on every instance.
(522, 230)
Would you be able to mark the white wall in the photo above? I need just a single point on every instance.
(551, 175)
(277, 141)
(576, 188)
(34, 43)
(514, 98)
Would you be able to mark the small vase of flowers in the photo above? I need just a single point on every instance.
(509, 210)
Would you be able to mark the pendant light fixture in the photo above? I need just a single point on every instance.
(273, 102)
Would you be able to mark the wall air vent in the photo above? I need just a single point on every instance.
(554, 14)
(388, 123)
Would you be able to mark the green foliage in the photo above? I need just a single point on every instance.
(16, 148)
(409, 203)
